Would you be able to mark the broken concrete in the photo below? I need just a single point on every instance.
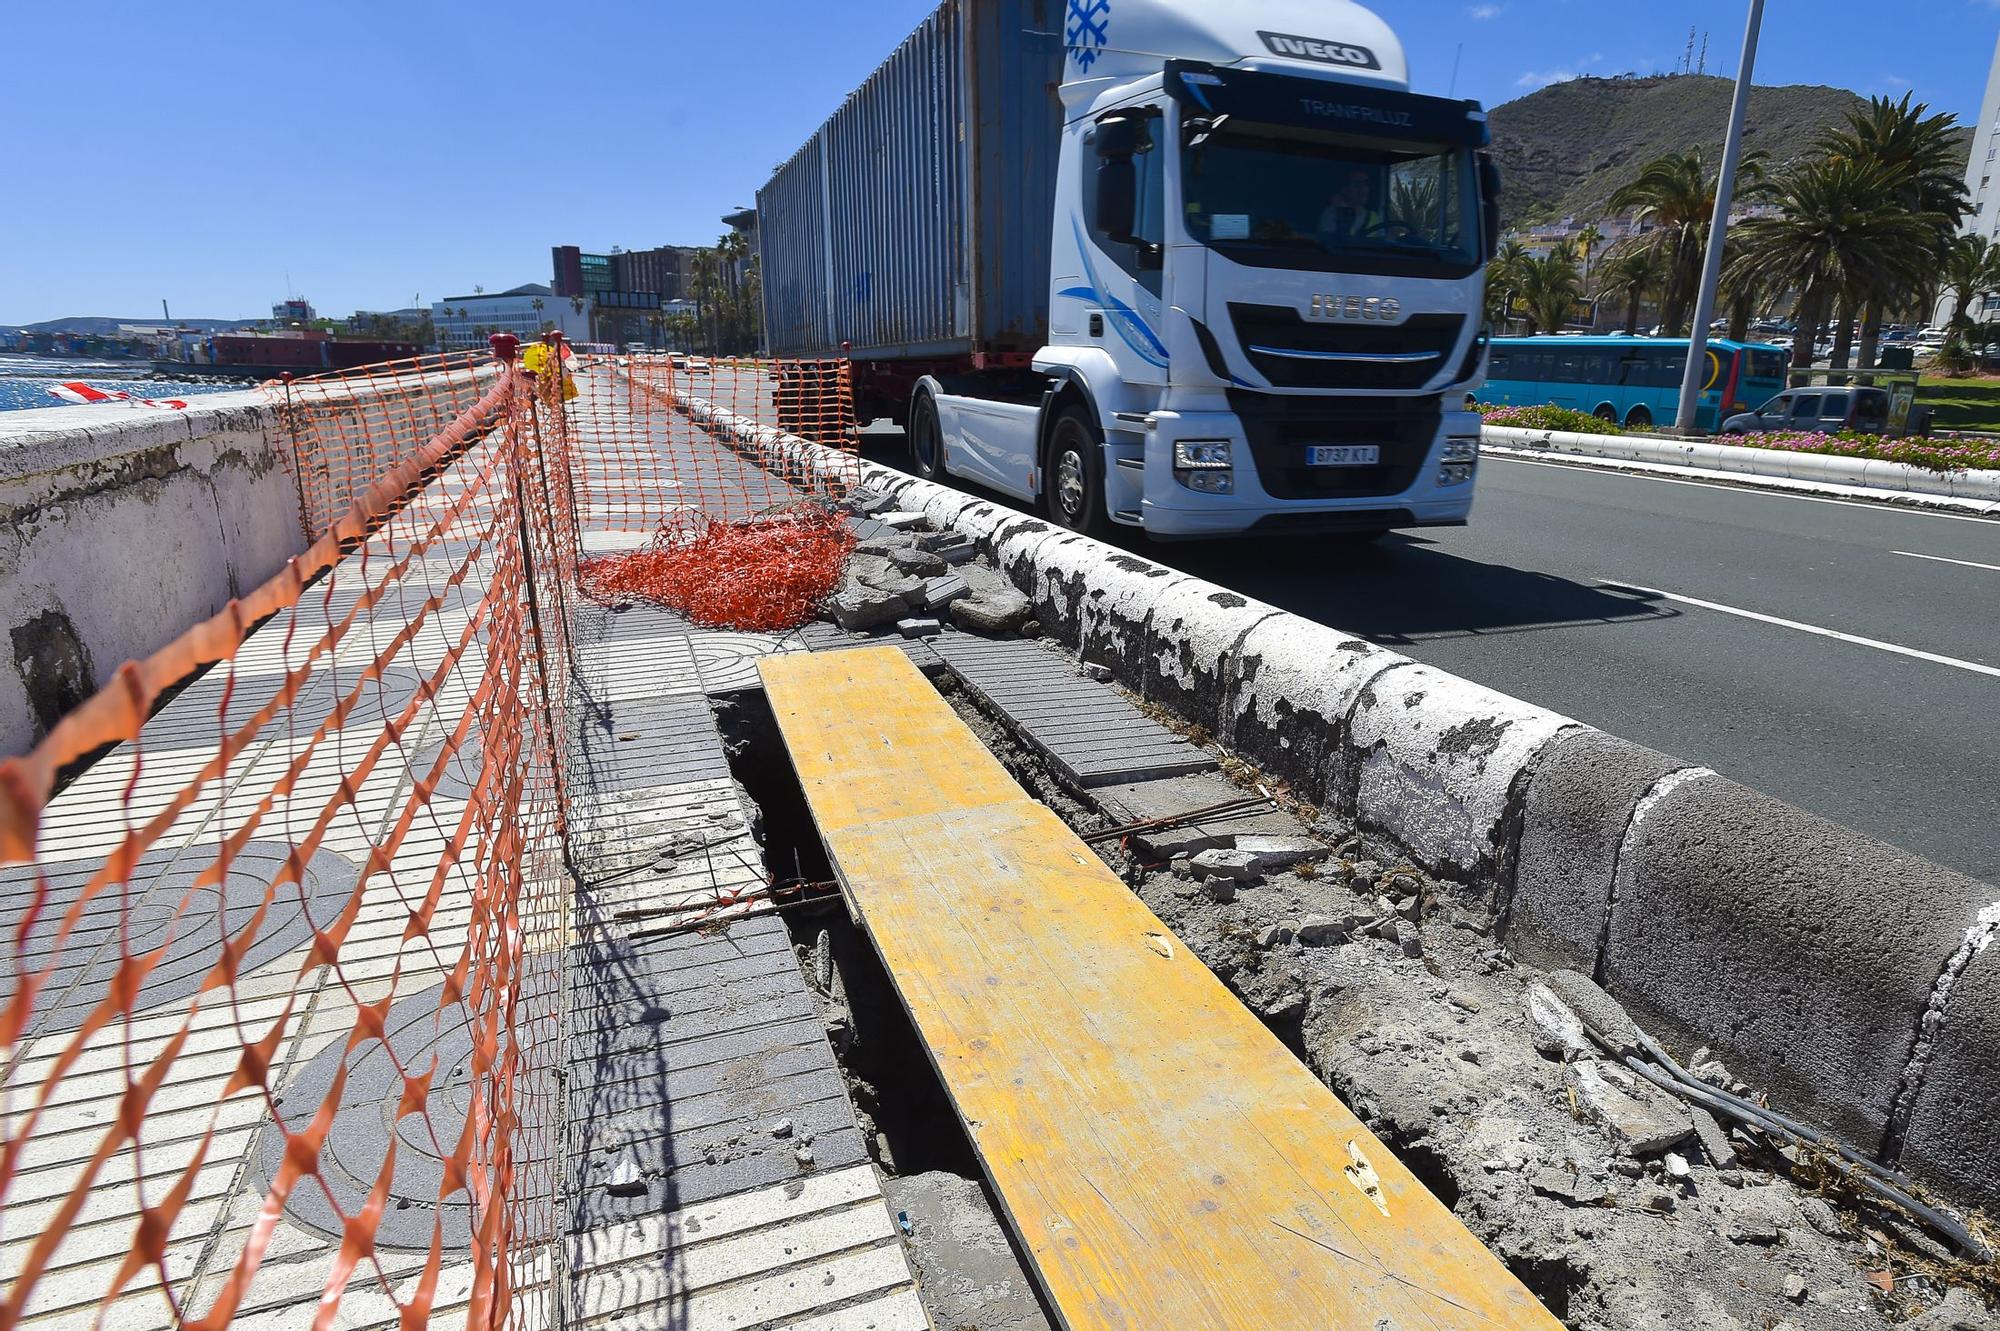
(857, 607)
(940, 592)
(967, 1271)
(1641, 1119)
(990, 611)
(1238, 865)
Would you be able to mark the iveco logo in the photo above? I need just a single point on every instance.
(1386, 309)
(1294, 47)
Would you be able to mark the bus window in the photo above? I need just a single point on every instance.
(1568, 367)
(1767, 363)
(1664, 366)
(1497, 363)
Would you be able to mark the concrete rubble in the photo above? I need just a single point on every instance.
(898, 570)
(1611, 1199)
(1619, 1205)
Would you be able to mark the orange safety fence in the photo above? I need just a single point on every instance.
(693, 491)
(290, 900)
(281, 1015)
(347, 430)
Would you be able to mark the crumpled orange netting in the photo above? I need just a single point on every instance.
(766, 573)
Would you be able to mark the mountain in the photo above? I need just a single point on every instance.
(95, 325)
(1564, 149)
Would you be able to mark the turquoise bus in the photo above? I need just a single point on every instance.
(1635, 381)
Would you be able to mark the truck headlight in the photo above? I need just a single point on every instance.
(1206, 466)
(1461, 450)
(1193, 453)
(1454, 473)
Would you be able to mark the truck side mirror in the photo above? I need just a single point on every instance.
(1489, 203)
(1117, 199)
(1117, 136)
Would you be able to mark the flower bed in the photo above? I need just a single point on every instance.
(1941, 453)
(1547, 418)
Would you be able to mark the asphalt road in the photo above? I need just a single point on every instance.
(1645, 607)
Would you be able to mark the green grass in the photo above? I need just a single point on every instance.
(1962, 404)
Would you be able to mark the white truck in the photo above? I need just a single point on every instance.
(1193, 267)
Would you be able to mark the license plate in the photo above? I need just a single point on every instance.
(1343, 455)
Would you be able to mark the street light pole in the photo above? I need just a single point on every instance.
(1718, 227)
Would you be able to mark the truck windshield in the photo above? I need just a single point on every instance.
(1275, 196)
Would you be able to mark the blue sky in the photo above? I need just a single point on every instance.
(202, 151)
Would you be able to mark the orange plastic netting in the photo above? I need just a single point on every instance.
(282, 1014)
(764, 574)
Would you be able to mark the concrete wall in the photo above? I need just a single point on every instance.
(1856, 981)
(119, 528)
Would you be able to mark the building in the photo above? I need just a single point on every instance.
(628, 289)
(362, 320)
(663, 272)
(464, 322)
(1982, 184)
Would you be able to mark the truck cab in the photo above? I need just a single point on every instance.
(1176, 265)
(1266, 286)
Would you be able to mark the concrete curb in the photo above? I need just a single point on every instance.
(1852, 977)
(1868, 473)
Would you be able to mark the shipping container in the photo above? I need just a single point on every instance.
(915, 222)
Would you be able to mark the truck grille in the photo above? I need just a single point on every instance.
(1280, 429)
(1428, 339)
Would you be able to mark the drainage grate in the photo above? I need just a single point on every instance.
(1090, 731)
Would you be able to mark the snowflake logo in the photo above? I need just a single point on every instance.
(1087, 30)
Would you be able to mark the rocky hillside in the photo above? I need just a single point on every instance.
(1565, 148)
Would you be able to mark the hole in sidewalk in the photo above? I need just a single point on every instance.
(1423, 1160)
(1550, 1279)
(889, 1075)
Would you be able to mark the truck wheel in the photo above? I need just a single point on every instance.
(926, 438)
(1073, 481)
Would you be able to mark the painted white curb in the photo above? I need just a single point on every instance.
(1771, 462)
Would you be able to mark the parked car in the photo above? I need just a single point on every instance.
(1824, 409)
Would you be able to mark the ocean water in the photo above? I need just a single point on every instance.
(25, 381)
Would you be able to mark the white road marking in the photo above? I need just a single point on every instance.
(1814, 629)
(1748, 486)
(1969, 563)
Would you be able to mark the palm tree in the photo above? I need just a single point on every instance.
(1630, 273)
(1920, 161)
(1740, 296)
(706, 287)
(1586, 247)
(1840, 235)
(1503, 280)
(1674, 198)
(1551, 285)
(1971, 270)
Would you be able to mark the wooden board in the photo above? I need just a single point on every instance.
(1164, 1160)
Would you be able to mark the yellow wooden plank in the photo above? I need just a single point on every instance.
(1165, 1161)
